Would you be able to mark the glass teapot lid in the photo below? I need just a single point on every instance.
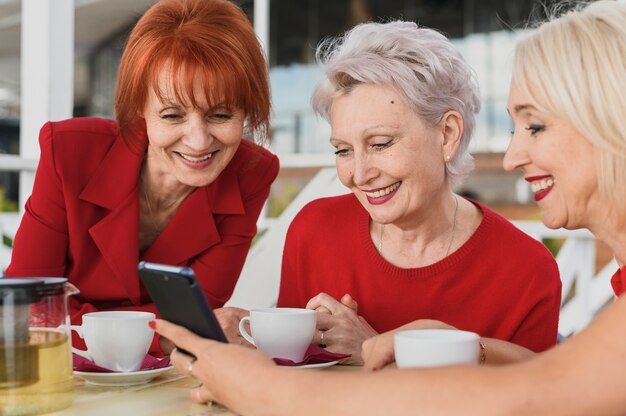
(19, 291)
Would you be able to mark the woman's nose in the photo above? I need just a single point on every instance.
(198, 133)
(364, 170)
(516, 155)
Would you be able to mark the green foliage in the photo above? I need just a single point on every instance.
(6, 205)
(553, 244)
(281, 198)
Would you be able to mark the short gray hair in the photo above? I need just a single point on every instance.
(421, 64)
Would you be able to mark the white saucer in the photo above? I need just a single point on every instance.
(319, 365)
(121, 379)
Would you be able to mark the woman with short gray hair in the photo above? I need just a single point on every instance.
(401, 102)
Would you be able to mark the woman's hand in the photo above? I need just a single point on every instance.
(229, 318)
(377, 352)
(339, 327)
(166, 345)
(221, 368)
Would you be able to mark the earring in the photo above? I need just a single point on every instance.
(447, 158)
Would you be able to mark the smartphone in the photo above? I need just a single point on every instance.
(178, 297)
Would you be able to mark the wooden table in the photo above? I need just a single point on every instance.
(166, 395)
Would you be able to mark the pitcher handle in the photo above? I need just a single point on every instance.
(242, 330)
(82, 353)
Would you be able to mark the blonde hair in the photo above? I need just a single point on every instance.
(575, 65)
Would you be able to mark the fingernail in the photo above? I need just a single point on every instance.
(152, 324)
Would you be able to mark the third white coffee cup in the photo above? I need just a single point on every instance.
(280, 332)
(117, 340)
(435, 347)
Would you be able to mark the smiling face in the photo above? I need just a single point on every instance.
(190, 144)
(386, 154)
(557, 161)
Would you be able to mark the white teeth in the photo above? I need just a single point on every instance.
(196, 159)
(542, 184)
(383, 192)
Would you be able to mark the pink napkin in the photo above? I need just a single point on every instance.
(149, 363)
(314, 355)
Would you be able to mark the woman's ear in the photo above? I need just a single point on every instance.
(452, 129)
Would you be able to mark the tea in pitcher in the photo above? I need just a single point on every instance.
(36, 377)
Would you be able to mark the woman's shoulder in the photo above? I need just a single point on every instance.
(75, 134)
(78, 147)
(252, 157)
(254, 166)
(507, 234)
(82, 127)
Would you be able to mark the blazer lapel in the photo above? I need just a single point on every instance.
(114, 186)
(194, 229)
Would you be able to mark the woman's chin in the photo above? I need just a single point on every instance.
(551, 221)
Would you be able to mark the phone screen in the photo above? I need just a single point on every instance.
(179, 298)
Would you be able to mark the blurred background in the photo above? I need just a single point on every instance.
(484, 31)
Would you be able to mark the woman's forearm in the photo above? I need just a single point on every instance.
(498, 352)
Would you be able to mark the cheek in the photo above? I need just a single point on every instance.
(344, 173)
(231, 136)
(159, 136)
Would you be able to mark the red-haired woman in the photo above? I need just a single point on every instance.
(171, 180)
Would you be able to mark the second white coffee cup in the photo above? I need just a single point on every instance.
(280, 332)
(435, 347)
(116, 340)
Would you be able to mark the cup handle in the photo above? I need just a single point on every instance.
(242, 330)
(82, 353)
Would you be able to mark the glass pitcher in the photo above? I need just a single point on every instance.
(35, 346)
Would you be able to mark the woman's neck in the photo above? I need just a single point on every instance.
(430, 238)
(611, 229)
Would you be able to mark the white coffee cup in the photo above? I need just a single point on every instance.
(280, 332)
(435, 347)
(116, 340)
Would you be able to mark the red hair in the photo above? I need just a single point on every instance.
(211, 40)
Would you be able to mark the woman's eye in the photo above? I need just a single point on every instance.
(170, 116)
(341, 152)
(381, 146)
(535, 128)
(220, 117)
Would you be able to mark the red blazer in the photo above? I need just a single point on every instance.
(81, 220)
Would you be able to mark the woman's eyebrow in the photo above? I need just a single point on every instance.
(521, 107)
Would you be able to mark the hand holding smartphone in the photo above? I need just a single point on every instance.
(179, 299)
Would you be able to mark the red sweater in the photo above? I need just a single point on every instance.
(501, 283)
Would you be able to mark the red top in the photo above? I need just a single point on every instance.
(618, 281)
(82, 219)
(501, 283)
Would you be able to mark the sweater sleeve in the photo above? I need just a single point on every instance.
(538, 330)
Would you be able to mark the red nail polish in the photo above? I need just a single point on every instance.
(152, 324)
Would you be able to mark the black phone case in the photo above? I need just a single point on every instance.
(179, 298)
